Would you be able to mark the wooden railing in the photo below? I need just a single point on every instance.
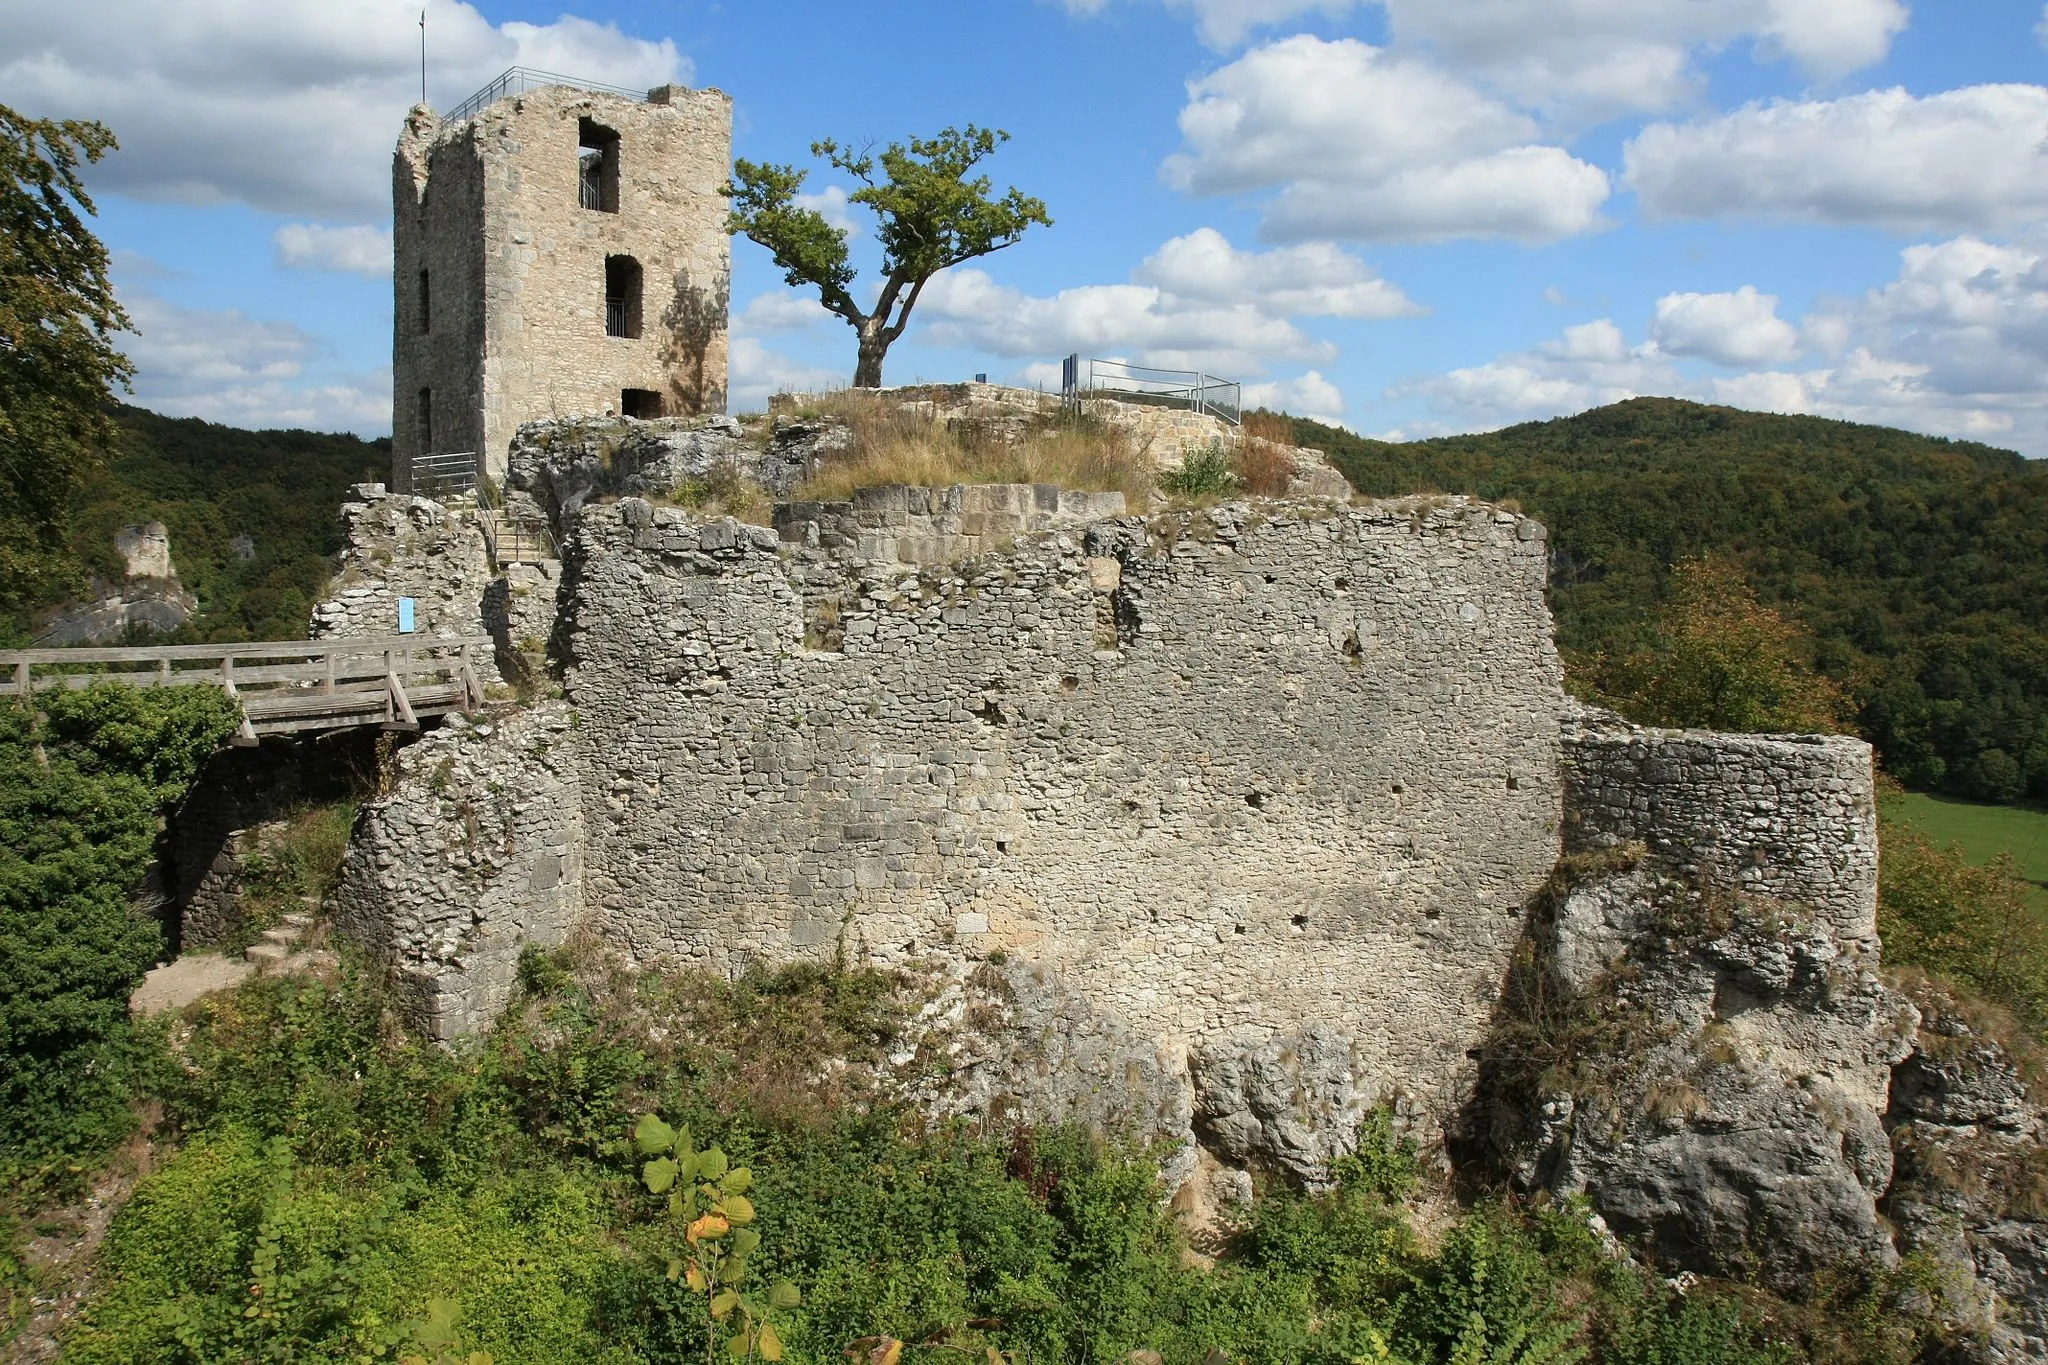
(283, 685)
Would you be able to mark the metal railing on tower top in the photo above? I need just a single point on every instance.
(519, 79)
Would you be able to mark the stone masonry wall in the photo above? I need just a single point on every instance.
(478, 852)
(1233, 772)
(898, 522)
(1792, 817)
(490, 207)
(398, 546)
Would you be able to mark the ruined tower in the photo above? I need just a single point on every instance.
(558, 251)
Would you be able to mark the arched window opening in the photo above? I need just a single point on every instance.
(622, 282)
(597, 166)
(642, 403)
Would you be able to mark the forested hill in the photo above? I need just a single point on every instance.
(209, 485)
(1920, 564)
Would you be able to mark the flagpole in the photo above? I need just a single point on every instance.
(423, 56)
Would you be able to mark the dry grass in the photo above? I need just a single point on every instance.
(893, 444)
(1262, 466)
(1271, 427)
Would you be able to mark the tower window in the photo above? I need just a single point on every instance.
(426, 421)
(642, 403)
(426, 304)
(597, 167)
(622, 280)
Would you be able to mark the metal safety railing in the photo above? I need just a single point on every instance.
(1123, 382)
(444, 476)
(520, 79)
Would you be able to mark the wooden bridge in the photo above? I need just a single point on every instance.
(283, 685)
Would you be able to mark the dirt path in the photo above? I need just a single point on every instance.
(62, 1261)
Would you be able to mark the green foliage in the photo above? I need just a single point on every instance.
(1918, 564)
(58, 315)
(930, 214)
(1719, 660)
(1202, 473)
(1970, 924)
(706, 1202)
(352, 1185)
(83, 789)
(212, 485)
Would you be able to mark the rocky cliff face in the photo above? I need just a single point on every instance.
(148, 596)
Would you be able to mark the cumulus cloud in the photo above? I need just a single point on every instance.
(1196, 303)
(831, 205)
(1226, 23)
(1366, 144)
(781, 310)
(1734, 329)
(290, 106)
(756, 372)
(1970, 160)
(1955, 345)
(1305, 395)
(1610, 56)
(228, 367)
(358, 250)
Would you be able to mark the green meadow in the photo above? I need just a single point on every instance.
(1983, 832)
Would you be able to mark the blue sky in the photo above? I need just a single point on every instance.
(1410, 216)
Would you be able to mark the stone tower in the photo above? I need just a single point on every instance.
(557, 252)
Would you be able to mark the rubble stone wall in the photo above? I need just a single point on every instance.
(395, 545)
(1793, 817)
(478, 854)
(1230, 770)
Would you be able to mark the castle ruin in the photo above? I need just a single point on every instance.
(558, 251)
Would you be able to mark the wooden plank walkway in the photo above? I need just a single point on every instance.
(283, 685)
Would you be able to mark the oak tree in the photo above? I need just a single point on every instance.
(931, 216)
(58, 360)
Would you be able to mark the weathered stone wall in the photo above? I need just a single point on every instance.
(1792, 817)
(911, 525)
(398, 546)
(515, 329)
(1219, 769)
(477, 852)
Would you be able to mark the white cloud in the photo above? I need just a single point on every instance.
(290, 106)
(832, 206)
(755, 372)
(1316, 279)
(1971, 159)
(1370, 145)
(228, 367)
(1608, 56)
(781, 310)
(1734, 329)
(1306, 395)
(1226, 23)
(358, 250)
(1955, 345)
(1196, 303)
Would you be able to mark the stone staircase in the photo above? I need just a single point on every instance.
(279, 943)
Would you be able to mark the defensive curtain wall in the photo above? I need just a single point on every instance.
(1259, 771)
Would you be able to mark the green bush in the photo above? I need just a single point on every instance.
(83, 789)
(377, 1188)
(1202, 473)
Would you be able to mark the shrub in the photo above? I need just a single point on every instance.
(83, 788)
(1202, 473)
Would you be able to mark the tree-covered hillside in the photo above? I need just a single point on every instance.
(1920, 564)
(211, 485)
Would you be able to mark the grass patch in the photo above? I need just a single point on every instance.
(297, 858)
(1983, 832)
(895, 444)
